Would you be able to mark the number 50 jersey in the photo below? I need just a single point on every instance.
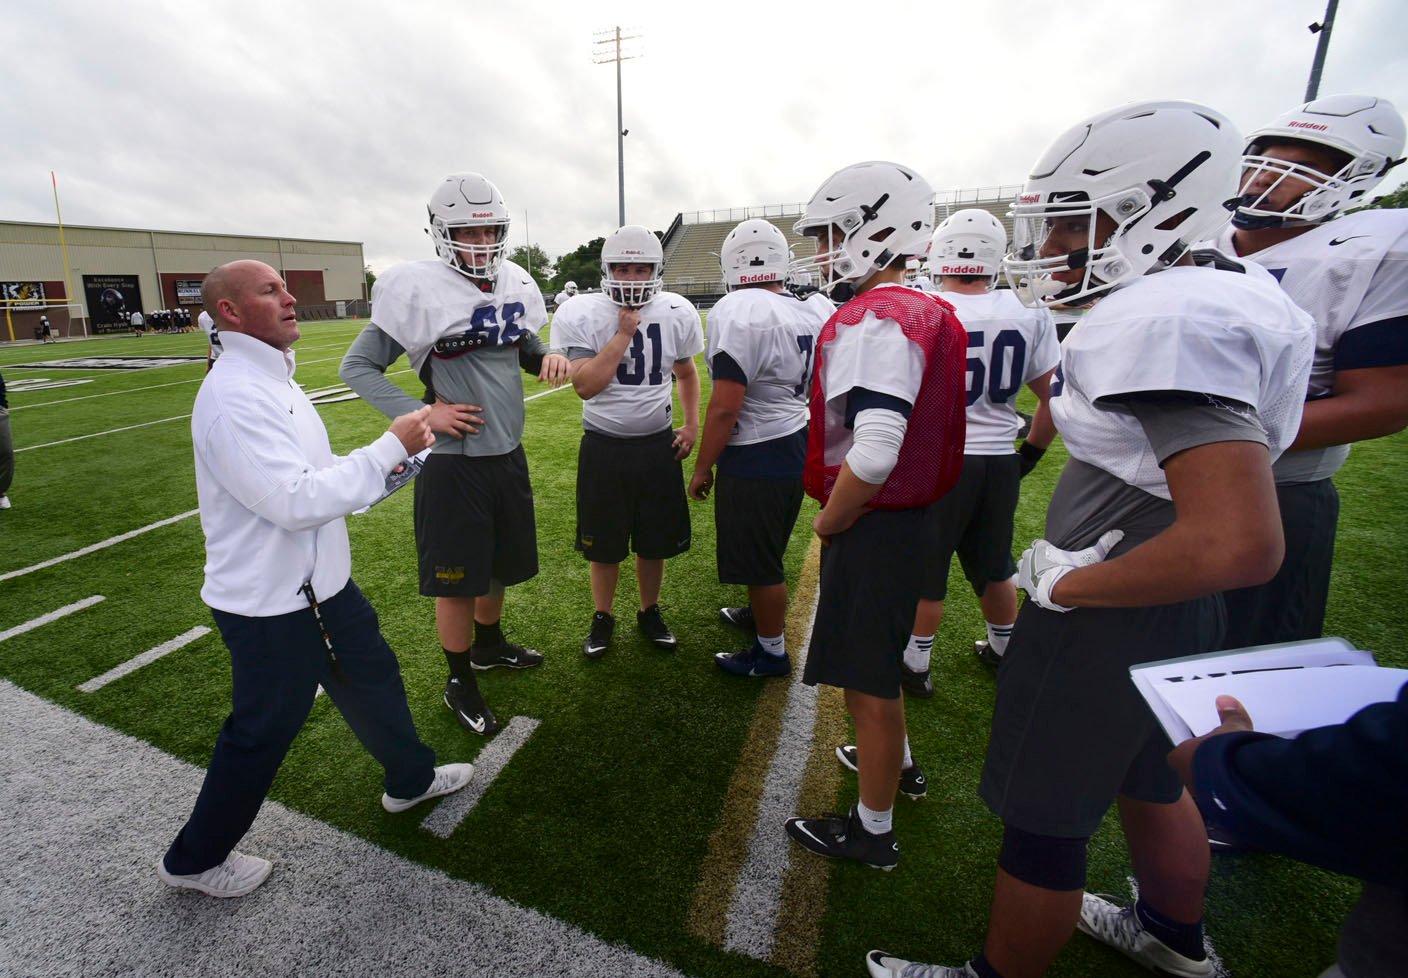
(1008, 345)
(772, 338)
(638, 400)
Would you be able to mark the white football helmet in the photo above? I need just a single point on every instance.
(968, 242)
(632, 245)
(1367, 132)
(469, 200)
(1164, 174)
(570, 288)
(881, 210)
(755, 251)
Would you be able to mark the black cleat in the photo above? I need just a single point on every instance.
(843, 837)
(916, 683)
(600, 637)
(738, 617)
(469, 708)
(508, 655)
(985, 654)
(912, 781)
(653, 625)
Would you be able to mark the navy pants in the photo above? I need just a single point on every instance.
(277, 664)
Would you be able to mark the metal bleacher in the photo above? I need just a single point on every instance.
(694, 239)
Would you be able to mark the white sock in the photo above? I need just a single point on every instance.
(998, 636)
(908, 757)
(773, 646)
(916, 653)
(876, 823)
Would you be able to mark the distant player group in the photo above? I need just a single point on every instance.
(1206, 396)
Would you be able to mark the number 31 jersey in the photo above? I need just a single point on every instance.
(772, 338)
(638, 400)
(1008, 345)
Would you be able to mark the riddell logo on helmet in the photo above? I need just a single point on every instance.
(1308, 125)
(1029, 199)
(482, 214)
(760, 277)
(962, 270)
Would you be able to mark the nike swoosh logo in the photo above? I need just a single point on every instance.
(512, 662)
(476, 725)
(803, 829)
(1340, 241)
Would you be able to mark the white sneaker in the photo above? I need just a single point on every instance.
(449, 778)
(1119, 927)
(237, 875)
(882, 965)
(4, 502)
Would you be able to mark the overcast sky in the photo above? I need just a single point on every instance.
(337, 118)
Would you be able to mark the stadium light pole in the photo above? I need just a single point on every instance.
(1312, 87)
(607, 50)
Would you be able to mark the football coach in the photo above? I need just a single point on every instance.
(273, 498)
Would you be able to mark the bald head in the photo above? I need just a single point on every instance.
(250, 297)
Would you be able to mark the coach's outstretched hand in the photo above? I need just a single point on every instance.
(414, 430)
(1235, 719)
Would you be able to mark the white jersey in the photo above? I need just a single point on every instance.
(772, 338)
(1223, 334)
(561, 299)
(924, 284)
(419, 302)
(207, 326)
(1347, 273)
(1008, 345)
(639, 399)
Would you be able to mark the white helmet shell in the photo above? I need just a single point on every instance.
(632, 245)
(469, 200)
(570, 288)
(754, 252)
(881, 210)
(968, 242)
(1368, 132)
(1163, 172)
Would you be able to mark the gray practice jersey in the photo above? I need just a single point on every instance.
(486, 340)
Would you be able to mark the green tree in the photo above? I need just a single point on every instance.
(535, 261)
(582, 266)
(371, 278)
(1399, 198)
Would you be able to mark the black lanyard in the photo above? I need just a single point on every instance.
(307, 592)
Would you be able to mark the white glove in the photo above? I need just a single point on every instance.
(1042, 565)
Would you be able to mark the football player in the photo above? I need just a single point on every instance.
(1349, 271)
(760, 348)
(1174, 394)
(626, 342)
(568, 291)
(885, 442)
(467, 321)
(212, 336)
(1009, 345)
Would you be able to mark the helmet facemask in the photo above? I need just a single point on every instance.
(476, 261)
(1323, 196)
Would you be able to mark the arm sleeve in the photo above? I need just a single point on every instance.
(253, 453)
(1335, 797)
(878, 434)
(531, 350)
(364, 370)
(1174, 421)
(725, 367)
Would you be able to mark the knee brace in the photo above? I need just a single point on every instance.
(1043, 860)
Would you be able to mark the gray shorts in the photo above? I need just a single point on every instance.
(1069, 730)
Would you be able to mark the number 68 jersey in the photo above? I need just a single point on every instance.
(772, 338)
(638, 400)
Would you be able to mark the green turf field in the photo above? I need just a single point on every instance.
(615, 813)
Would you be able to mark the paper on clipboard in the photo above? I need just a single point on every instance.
(400, 477)
(1286, 688)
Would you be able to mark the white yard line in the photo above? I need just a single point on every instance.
(93, 548)
(146, 658)
(757, 891)
(54, 615)
(99, 434)
(89, 397)
(491, 760)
